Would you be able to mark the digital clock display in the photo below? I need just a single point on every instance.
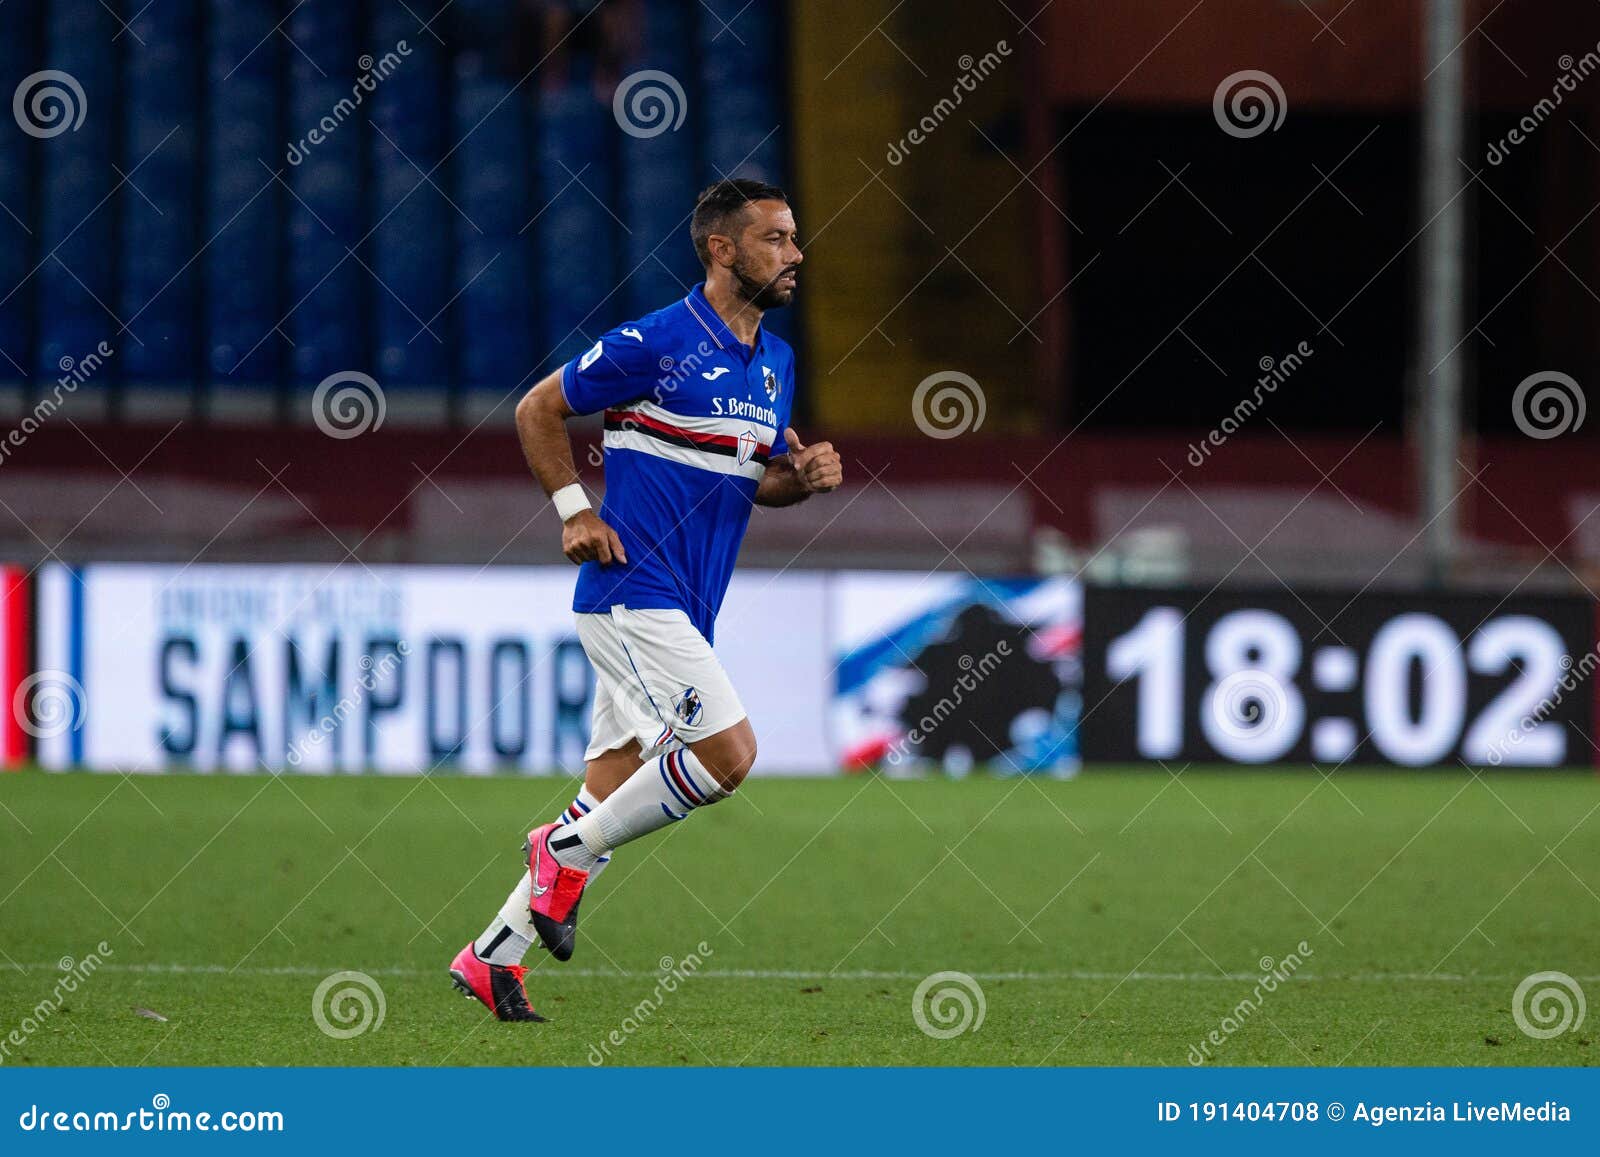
(1297, 676)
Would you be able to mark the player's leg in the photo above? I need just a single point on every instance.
(602, 776)
(511, 933)
(728, 755)
(683, 687)
(678, 686)
(706, 771)
(490, 967)
(607, 772)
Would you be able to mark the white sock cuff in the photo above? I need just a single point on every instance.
(594, 836)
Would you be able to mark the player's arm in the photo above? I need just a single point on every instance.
(802, 472)
(542, 428)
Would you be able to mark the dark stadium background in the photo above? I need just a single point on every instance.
(1114, 257)
(1212, 589)
(230, 282)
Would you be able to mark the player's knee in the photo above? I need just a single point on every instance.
(734, 764)
(730, 755)
(743, 760)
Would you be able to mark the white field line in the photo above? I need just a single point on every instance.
(798, 974)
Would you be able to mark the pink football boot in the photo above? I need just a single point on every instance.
(553, 903)
(499, 986)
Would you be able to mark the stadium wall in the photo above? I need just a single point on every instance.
(325, 669)
(402, 669)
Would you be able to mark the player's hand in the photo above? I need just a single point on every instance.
(585, 538)
(818, 465)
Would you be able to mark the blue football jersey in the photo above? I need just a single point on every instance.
(692, 416)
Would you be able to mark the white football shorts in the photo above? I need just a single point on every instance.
(657, 680)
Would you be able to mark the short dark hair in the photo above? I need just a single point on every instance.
(718, 206)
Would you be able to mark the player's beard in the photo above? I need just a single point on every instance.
(763, 293)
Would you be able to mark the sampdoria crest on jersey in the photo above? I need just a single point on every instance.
(747, 446)
(770, 380)
(688, 707)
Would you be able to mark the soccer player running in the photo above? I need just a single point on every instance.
(697, 398)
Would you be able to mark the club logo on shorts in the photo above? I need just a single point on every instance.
(770, 380)
(747, 446)
(688, 708)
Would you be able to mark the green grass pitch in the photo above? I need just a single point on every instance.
(1119, 918)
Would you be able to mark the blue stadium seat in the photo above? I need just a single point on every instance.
(740, 70)
(493, 317)
(327, 289)
(77, 219)
(576, 233)
(159, 234)
(243, 266)
(410, 252)
(548, 223)
(658, 172)
(17, 248)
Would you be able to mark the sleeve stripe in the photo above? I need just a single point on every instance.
(566, 378)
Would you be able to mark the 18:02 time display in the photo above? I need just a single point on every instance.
(1289, 676)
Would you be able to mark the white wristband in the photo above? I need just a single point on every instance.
(570, 500)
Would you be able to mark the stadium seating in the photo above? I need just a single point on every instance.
(469, 215)
(325, 212)
(243, 265)
(75, 223)
(16, 165)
